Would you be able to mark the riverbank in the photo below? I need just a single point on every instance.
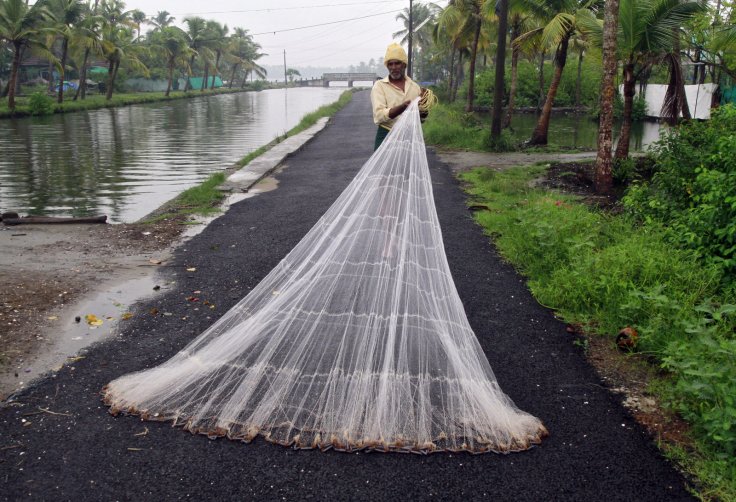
(97, 101)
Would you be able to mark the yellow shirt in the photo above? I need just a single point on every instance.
(385, 96)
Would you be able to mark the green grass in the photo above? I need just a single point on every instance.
(95, 101)
(604, 272)
(449, 126)
(203, 199)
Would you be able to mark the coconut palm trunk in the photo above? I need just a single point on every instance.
(539, 135)
(232, 75)
(214, 74)
(62, 72)
(540, 101)
(206, 77)
(500, 68)
(14, 75)
(515, 32)
(471, 70)
(603, 178)
(578, 86)
(622, 149)
(113, 72)
(82, 89)
(171, 77)
(451, 74)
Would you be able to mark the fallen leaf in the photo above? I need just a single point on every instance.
(192, 269)
(52, 318)
(93, 320)
(126, 316)
(155, 262)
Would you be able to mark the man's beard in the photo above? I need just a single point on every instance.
(396, 75)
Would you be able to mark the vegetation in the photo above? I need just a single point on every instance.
(24, 105)
(607, 272)
(71, 33)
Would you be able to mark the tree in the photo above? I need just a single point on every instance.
(66, 15)
(138, 17)
(89, 37)
(218, 41)
(519, 21)
(604, 159)
(502, 12)
(562, 20)
(463, 20)
(422, 16)
(162, 19)
(119, 43)
(172, 42)
(20, 25)
(291, 73)
(197, 37)
(648, 30)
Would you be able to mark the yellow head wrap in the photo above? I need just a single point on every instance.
(395, 52)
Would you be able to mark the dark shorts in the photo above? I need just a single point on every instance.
(381, 134)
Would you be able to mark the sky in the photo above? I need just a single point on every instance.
(345, 41)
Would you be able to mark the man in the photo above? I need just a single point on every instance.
(392, 95)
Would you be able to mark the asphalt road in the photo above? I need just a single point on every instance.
(75, 450)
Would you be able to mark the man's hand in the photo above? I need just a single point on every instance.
(398, 109)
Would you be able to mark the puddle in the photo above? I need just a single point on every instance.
(108, 305)
(69, 341)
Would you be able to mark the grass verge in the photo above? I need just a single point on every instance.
(604, 273)
(96, 101)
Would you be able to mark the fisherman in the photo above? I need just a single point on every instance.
(392, 95)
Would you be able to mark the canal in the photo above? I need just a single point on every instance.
(125, 162)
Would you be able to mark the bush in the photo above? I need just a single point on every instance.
(603, 271)
(40, 104)
(693, 190)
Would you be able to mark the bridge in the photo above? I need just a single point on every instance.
(337, 77)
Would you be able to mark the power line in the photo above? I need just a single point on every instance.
(325, 24)
(288, 8)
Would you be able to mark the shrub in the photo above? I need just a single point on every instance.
(693, 190)
(40, 104)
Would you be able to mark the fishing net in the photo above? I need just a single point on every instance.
(356, 340)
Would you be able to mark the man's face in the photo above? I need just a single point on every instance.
(396, 69)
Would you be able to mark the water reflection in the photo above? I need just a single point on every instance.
(125, 162)
(580, 131)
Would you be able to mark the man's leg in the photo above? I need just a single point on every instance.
(381, 134)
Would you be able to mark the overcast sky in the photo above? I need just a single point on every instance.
(340, 43)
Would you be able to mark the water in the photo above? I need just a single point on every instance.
(580, 131)
(125, 162)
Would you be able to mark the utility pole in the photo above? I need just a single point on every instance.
(286, 81)
(408, 70)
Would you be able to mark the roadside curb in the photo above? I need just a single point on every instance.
(260, 167)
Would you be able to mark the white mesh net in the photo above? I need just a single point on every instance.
(357, 339)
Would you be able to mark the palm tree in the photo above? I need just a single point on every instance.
(89, 37)
(604, 160)
(519, 21)
(502, 11)
(138, 17)
(648, 30)
(463, 20)
(172, 42)
(562, 19)
(162, 19)
(422, 16)
(197, 38)
(20, 25)
(66, 16)
(219, 43)
(243, 51)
